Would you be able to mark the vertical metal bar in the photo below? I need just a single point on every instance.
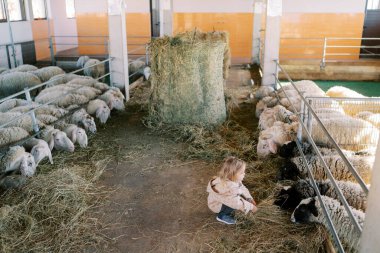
(299, 133)
(309, 118)
(109, 63)
(146, 55)
(323, 62)
(32, 115)
(276, 69)
(51, 47)
(10, 32)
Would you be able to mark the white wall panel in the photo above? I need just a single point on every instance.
(217, 6)
(137, 6)
(324, 6)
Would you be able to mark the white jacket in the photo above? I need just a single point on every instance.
(229, 193)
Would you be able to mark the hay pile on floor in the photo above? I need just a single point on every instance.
(54, 211)
(188, 73)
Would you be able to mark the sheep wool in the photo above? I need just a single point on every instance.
(17, 81)
(24, 122)
(17, 159)
(11, 135)
(100, 109)
(310, 210)
(44, 74)
(22, 68)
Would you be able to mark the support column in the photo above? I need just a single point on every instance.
(371, 233)
(272, 41)
(166, 18)
(258, 11)
(118, 50)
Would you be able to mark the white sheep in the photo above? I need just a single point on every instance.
(25, 121)
(12, 103)
(82, 118)
(2, 70)
(373, 118)
(57, 139)
(65, 78)
(266, 102)
(113, 98)
(44, 74)
(296, 167)
(91, 67)
(275, 136)
(9, 135)
(46, 118)
(39, 149)
(271, 115)
(17, 159)
(263, 91)
(343, 92)
(21, 68)
(17, 81)
(62, 100)
(100, 109)
(290, 197)
(350, 133)
(52, 110)
(75, 133)
(310, 210)
(91, 83)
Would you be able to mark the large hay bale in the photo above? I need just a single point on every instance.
(188, 73)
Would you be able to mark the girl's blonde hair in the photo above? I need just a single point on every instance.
(230, 168)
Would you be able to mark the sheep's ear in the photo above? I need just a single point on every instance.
(272, 146)
(51, 143)
(266, 136)
(50, 158)
(80, 62)
(313, 208)
(73, 136)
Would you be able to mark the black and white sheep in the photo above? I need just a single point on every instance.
(310, 210)
(289, 197)
(296, 167)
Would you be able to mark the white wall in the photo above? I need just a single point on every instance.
(63, 26)
(90, 6)
(324, 6)
(137, 6)
(216, 6)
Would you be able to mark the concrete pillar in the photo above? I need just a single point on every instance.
(370, 240)
(166, 17)
(258, 11)
(118, 45)
(272, 41)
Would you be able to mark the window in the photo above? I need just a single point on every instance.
(39, 9)
(373, 4)
(16, 10)
(70, 8)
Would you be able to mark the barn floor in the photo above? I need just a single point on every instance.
(159, 202)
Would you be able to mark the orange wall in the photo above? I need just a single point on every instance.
(40, 36)
(239, 26)
(319, 25)
(96, 24)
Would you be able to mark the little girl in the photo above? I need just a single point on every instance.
(227, 192)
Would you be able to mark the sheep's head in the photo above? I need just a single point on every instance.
(289, 197)
(62, 142)
(266, 145)
(41, 151)
(82, 60)
(89, 124)
(305, 212)
(81, 137)
(288, 171)
(117, 103)
(28, 165)
(147, 73)
(287, 150)
(103, 113)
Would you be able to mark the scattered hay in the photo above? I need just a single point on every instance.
(270, 230)
(187, 78)
(51, 214)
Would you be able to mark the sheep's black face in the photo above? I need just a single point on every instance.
(305, 212)
(288, 171)
(288, 199)
(288, 150)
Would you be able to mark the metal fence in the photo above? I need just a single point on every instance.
(359, 137)
(305, 128)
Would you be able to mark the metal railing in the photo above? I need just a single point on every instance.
(305, 128)
(323, 48)
(26, 92)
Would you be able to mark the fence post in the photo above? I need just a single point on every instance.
(323, 62)
(309, 119)
(299, 133)
(146, 55)
(52, 57)
(32, 115)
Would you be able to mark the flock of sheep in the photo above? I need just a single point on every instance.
(64, 110)
(347, 124)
